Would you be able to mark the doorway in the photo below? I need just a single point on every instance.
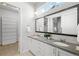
(9, 32)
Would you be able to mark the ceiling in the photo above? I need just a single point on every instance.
(36, 4)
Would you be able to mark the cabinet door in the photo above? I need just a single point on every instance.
(64, 53)
(29, 43)
(35, 47)
(43, 49)
(46, 50)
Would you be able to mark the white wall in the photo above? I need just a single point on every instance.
(26, 19)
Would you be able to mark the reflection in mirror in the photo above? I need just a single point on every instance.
(45, 24)
(64, 22)
(40, 24)
(57, 25)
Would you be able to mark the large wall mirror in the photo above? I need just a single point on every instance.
(64, 22)
(40, 24)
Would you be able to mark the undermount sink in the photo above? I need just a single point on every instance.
(61, 44)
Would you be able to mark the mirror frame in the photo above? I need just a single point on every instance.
(55, 13)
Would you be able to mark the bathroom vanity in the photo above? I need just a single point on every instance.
(59, 23)
(41, 46)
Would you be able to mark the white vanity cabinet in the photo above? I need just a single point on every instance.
(42, 49)
(45, 49)
(64, 53)
(36, 47)
(39, 48)
(49, 50)
(33, 47)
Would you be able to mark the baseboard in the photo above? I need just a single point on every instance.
(8, 44)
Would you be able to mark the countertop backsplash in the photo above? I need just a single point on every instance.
(69, 39)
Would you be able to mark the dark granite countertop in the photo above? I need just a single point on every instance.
(71, 48)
